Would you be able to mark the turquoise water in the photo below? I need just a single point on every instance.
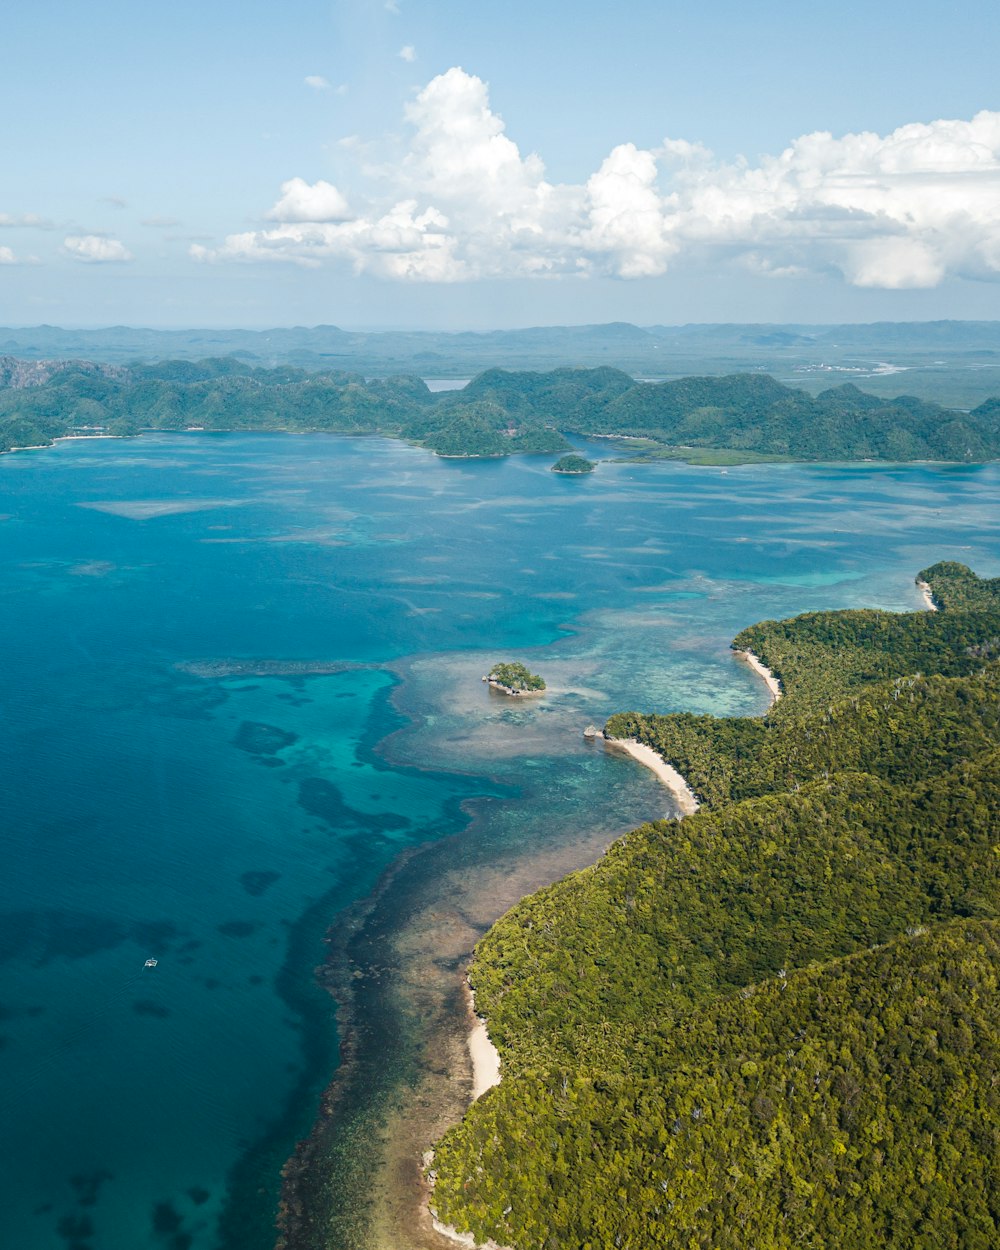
(241, 675)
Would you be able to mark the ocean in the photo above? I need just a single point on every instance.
(241, 678)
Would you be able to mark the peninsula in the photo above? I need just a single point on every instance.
(686, 1028)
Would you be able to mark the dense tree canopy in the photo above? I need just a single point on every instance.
(497, 413)
(515, 676)
(775, 1023)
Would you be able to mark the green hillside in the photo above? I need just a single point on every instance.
(854, 1104)
(738, 416)
(775, 1023)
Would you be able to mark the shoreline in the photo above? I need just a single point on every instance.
(66, 438)
(680, 791)
(500, 688)
(772, 682)
(484, 1055)
(485, 1075)
(928, 595)
(397, 967)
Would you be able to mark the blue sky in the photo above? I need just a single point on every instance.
(452, 165)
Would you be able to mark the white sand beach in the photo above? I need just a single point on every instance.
(485, 1074)
(925, 590)
(485, 1056)
(771, 681)
(671, 778)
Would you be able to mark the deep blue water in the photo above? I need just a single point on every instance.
(180, 781)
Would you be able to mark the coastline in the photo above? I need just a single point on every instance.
(680, 791)
(772, 682)
(928, 596)
(66, 438)
(500, 688)
(396, 967)
(484, 1055)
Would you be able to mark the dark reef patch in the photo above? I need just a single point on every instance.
(323, 799)
(166, 1219)
(41, 936)
(255, 883)
(237, 928)
(198, 1195)
(76, 1231)
(87, 1185)
(257, 738)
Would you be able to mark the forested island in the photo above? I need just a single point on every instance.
(514, 678)
(739, 417)
(573, 465)
(775, 1023)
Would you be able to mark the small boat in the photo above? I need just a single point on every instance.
(150, 963)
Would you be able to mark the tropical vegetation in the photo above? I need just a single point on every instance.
(777, 1022)
(573, 464)
(748, 416)
(515, 677)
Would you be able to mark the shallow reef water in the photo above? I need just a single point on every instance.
(241, 678)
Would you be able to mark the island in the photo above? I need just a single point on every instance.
(573, 465)
(777, 1022)
(514, 679)
(722, 420)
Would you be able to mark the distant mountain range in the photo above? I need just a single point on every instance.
(953, 362)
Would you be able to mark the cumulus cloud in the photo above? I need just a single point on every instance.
(7, 257)
(408, 52)
(317, 82)
(902, 210)
(95, 248)
(302, 202)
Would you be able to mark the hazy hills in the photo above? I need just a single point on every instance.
(953, 362)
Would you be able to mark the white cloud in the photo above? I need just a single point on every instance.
(902, 210)
(391, 6)
(95, 248)
(302, 202)
(7, 257)
(408, 52)
(317, 82)
(31, 220)
(626, 221)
